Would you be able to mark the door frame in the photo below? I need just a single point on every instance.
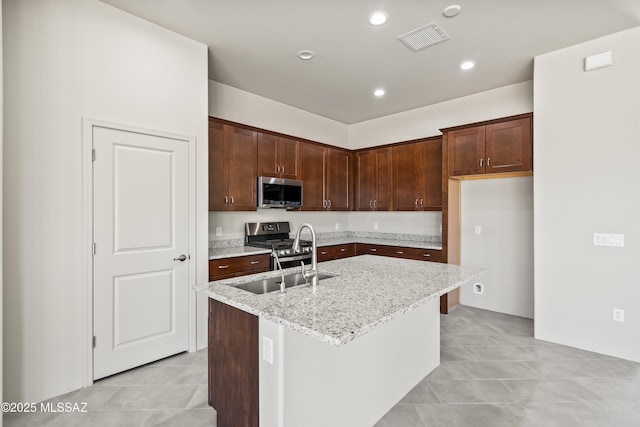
(87, 228)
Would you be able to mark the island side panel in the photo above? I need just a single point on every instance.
(312, 383)
(233, 365)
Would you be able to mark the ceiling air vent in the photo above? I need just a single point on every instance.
(423, 37)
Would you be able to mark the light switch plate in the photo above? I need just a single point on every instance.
(618, 315)
(478, 229)
(218, 231)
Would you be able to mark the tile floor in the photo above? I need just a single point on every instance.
(492, 373)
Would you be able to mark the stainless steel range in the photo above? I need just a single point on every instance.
(275, 236)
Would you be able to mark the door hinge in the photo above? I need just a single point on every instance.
(94, 341)
(93, 248)
(93, 154)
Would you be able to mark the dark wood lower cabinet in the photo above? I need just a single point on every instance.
(327, 253)
(233, 366)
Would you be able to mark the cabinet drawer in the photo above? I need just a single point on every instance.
(327, 253)
(366, 249)
(238, 266)
(414, 253)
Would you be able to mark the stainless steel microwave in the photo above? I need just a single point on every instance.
(279, 193)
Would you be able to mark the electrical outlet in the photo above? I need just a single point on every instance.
(337, 226)
(218, 231)
(267, 349)
(375, 225)
(478, 288)
(478, 229)
(618, 315)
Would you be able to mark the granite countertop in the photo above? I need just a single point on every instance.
(378, 241)
(367, 292)
(234, 248)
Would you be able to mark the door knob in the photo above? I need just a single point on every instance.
(181, 258)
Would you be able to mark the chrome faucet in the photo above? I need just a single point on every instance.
(274, 254)
(313, 273)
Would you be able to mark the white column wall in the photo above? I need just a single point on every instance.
(587, 145)
(66, 60)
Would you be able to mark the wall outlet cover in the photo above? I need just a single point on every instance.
(478, 288)
(618, 315)
(267, 349)
(375, 225)
(218, 231)
(478, 229)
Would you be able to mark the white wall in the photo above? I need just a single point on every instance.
(229, 103)
(426, 121)
(587, 146)
(65, 60)
(503, 208)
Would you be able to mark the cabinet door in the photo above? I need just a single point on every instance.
(267, 155)
(508, 146)
(218, 168)
(365, 180)
(407, 185)
(312, 164)
(289, 158)
(383, 179)
(243, 162)
(431, 152)
(466, 151)
(338, 180)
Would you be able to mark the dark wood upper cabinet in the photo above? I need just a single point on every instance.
(417, 176)
(509, 146)
(232, 168)
(338, 180)
(492, 148)
(373, 179)
(312, 166)
(278, 156)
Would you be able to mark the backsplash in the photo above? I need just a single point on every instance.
(401, 223)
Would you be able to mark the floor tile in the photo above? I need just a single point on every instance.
(485, 415)
(504, 352)
(401, 416)
(420, 394)
(449, 371)
(151, 397)
(550, 390)
(184, 418)
(563, 369)
(613, 389)
(488, 369)
(472, 391)
(451, 354)
(578, 414)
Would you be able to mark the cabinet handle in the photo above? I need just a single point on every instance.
(421, 203)
(222, 267)
(282, 167)
(329, 203)
(481, 160)
(375, 204)
(323, 253)
(373, 250)
(426, 254)
(324, 203)
(277, 168)
(255, 262)
(226, 200)
(416, 203)
(370, 203)
(342, 249)
(400, 252)
(232, 200)
(488, 162)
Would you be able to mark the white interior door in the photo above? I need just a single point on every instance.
(141, 223)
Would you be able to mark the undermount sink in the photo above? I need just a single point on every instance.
(273, 283)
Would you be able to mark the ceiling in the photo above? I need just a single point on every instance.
(253, 46)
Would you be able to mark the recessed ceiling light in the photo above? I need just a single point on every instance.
(467, 65)
(379, 92)
(378, 18)
(451, 11)
(306, 55)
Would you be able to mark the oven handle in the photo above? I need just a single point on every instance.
(295, 258)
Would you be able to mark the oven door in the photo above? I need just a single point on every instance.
(292, 261)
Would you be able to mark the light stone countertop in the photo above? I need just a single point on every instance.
(376, 241)
(229, 252)
(368, 292)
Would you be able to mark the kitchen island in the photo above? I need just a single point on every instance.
(343, 354)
